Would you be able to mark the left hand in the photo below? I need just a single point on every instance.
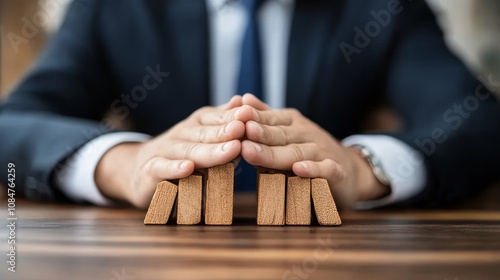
(287, 140)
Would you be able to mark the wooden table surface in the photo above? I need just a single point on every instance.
(85, 242)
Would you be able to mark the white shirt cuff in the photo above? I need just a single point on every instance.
(403, 165)
(76, 177)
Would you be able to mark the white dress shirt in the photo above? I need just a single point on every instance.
(227, 21)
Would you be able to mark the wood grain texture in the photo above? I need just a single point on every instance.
(271, 199)
(324, 205)
(298, 201)
(80, 242)
(189, 200)
(219, 195)
(161, 204)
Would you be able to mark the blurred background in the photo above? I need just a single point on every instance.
(19, 47)
(472, 29)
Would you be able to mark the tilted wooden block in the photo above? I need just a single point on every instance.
(219, 195)
(324, 205)
(271, 199)
(161, 203)
(298, 201)
(189, 200)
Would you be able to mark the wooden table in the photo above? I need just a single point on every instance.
(84, 242)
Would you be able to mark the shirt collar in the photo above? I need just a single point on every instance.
(217, 4)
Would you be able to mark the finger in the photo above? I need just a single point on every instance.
(276, 117)
(212, 134)
(235, 101)
(335, 174)
(327, 169)
(154, 171)
(221, 117)
(277, 157)
(217, 117)
(160, 168)
(203, 155)
(273, 135)
(250, 100)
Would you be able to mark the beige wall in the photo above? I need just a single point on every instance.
(14, 60)
(473, 32)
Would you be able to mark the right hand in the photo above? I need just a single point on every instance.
(208, 137)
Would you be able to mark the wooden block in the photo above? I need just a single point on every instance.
(161, 204)
(189, 200)
(298, 201)
(271, 199)
(219, 195)
(324, 205)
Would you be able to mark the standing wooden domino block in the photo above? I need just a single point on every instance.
(298, 201)
(161, 204)
(219, 195)
(324, 205)
(189, 200)
(271, 199)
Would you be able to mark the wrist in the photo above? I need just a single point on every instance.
(369, 186)
(114, 171)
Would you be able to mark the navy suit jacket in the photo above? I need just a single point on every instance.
(343, 59)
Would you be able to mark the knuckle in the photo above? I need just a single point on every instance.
(268, 135)
(201, 114)
(203, 109)
(212, 151)
(221, 132)
(293, 112)
(222, 117)
(284, 135)
(196, 114)
(273, 157)
(148, 170)
(203, 135)
(296, 152)
(336, 170)
(231, 114)
(188, 149)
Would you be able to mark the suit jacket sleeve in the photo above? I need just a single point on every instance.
(57, 108)
(450, 117)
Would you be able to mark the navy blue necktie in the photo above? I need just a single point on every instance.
(249, 80)
(250, 77)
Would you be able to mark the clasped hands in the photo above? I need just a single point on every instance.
(246, 127)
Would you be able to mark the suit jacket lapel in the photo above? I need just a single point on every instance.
(188, 22)
(312, 22)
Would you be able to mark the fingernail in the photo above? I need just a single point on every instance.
(304, 165)
(226, 146)
(183, 165)
(257, 147)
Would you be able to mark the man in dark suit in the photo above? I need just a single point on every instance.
(156, 63)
